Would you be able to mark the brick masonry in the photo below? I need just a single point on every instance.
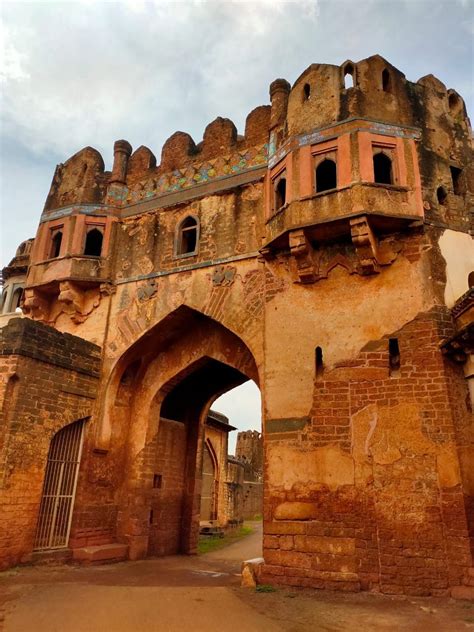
(48, 380)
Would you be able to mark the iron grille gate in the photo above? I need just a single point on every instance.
(59, 488)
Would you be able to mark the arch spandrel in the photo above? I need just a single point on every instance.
(170, 347)
(229, 295)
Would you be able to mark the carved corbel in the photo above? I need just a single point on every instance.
(107, 289)
(36, 305)
(365, 244)
(305, 262)
(77, 303)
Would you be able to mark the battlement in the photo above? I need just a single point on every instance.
(323, 95)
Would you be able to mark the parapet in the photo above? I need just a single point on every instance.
(322, 96)
(177, 151)
(79, 180)
(140, 163)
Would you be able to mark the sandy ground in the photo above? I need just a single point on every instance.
(197, 594)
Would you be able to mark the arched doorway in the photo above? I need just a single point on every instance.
(172, 375)
(210, 484)
(59, 488)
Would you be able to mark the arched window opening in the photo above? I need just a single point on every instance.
(382, 169)
(442, 195)
(56, 245)
(394, 357)
(470, 279)
(16, 298)
(280, 193)
(59, 488)
(187, 238)
(93, 246)
(306, 92)
(348, 76)
(4, 300)
(326, 176)
(386, 81)
(318, 358)
(456, 178)
(455, 104)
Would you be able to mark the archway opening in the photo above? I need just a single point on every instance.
(188, 476)
(217, 450)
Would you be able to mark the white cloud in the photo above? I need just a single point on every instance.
(242, 406)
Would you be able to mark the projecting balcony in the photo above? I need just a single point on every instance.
(86, 271)
(327, 216)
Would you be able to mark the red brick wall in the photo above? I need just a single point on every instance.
(401, 528)
(48, 380)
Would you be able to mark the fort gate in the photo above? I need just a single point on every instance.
(326, 255)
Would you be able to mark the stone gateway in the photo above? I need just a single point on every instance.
(325, 254)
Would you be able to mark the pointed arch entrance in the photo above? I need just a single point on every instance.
(172, 376)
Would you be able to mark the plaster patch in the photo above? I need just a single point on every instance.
(328, 465)
(458, 252)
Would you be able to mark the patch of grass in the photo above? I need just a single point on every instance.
(265, 588)
(208, 543)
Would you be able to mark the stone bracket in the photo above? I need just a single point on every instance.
(36, 304)
(77, 303)
(304, 260)
(365, 244)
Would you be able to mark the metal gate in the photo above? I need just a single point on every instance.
(59, 488)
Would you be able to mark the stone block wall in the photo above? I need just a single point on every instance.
(167, 490)
(48, 380)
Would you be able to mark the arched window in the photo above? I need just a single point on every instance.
(319, 365)
(280, 193)
(56, 244)
(470, 279)
(349, 76)
(93, 246)
(59, 488)
(15, 302)
(187, 236)
(455, 104)
(393, 357)
(326, 176)
(382, 169)
(386, 82)
(441, 194)
(306, 92)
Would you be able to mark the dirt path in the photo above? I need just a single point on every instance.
(194, 594)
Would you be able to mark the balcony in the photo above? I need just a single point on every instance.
(326, 216)
(82, 270)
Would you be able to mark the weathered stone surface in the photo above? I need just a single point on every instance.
(295, 511)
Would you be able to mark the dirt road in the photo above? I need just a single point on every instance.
(202, 594)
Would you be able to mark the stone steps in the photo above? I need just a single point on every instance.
(101, 553)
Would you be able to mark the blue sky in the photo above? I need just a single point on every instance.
(89, 73)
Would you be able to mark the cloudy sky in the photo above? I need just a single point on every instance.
(88, 73)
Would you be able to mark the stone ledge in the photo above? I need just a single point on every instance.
(100, 553)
